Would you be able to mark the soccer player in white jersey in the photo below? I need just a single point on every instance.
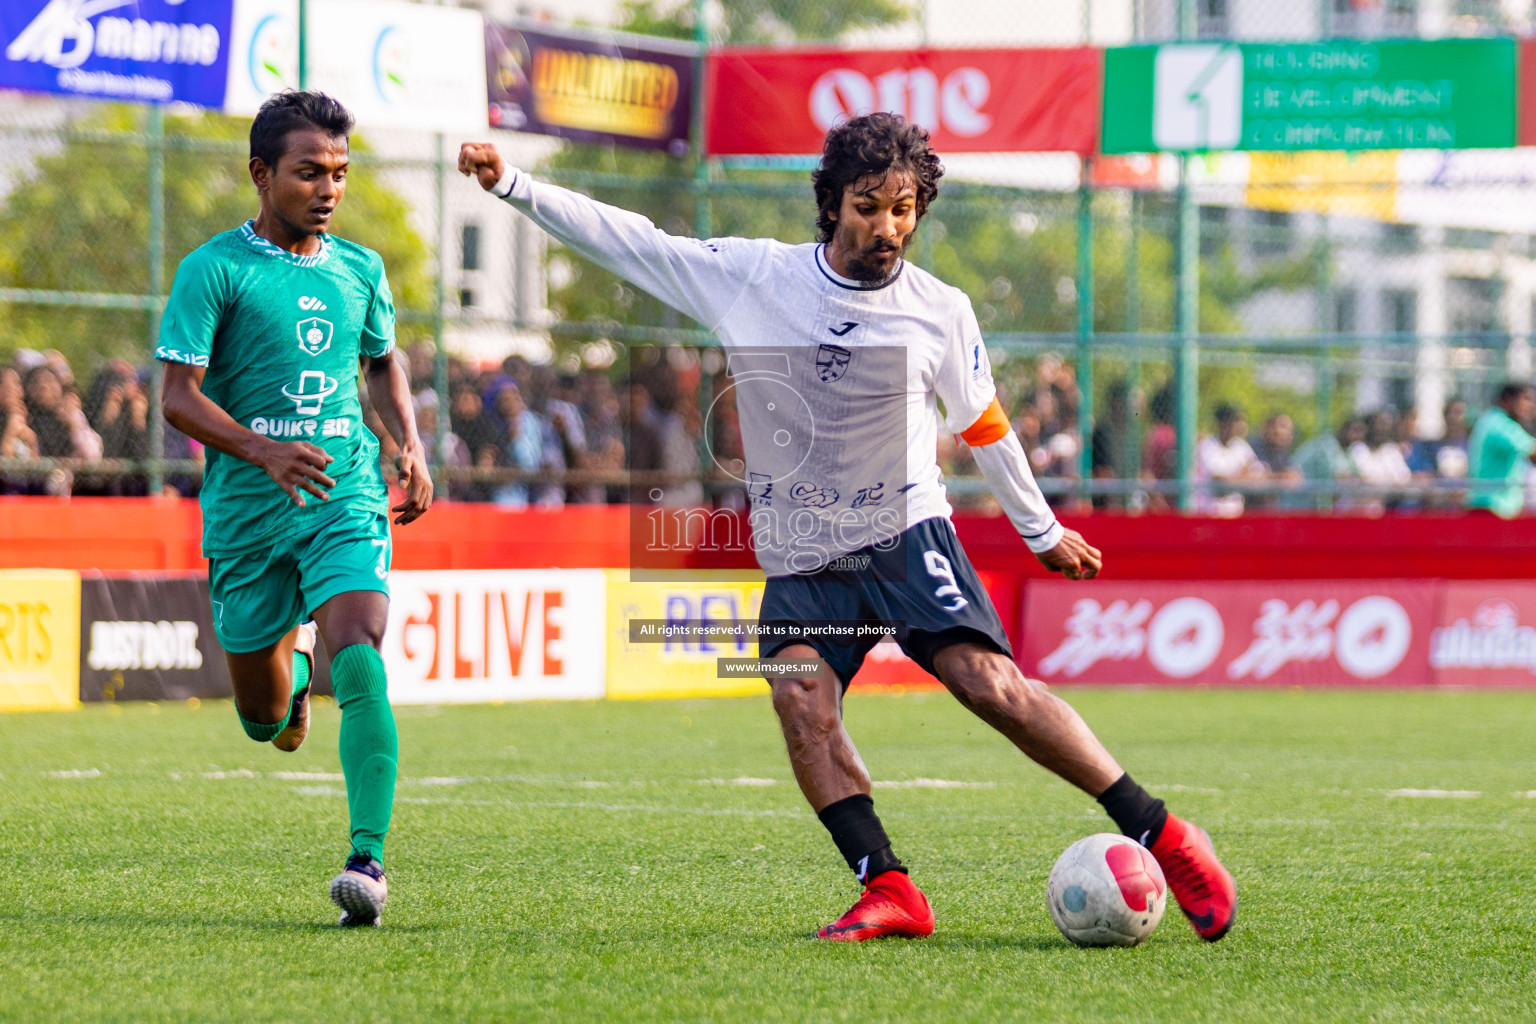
(841, 351)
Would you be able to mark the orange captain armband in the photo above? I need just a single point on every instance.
(991, 425)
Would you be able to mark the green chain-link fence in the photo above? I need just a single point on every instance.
(1125, 302)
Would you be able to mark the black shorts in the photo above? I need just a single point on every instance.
(924, 587)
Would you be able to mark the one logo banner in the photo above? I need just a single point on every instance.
(475, 637)
(782, 102)
(1230, 633)
(148, 638)
(154, 51)
(590, 88)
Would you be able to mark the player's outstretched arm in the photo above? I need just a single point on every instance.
(964, 384)
(298, 467)
(389, 389)
(700, 279)
(1002, 460)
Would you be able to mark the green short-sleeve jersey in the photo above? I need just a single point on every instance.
(281, 336)
(1499, 450)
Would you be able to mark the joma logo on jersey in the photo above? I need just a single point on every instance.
(311, 303)
(832, 362)
(314, 334)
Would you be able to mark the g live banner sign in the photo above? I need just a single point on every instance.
(394, 65)
(477, 637)
(782, 102)
(154, 51)
(1312, 633)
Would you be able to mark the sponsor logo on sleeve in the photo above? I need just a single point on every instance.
(176, 355)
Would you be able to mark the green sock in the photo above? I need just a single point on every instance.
(262, 732)
(369, 744)
(301, 669)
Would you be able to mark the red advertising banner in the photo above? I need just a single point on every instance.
(782, 102)
(1486, 636)
(1231, 633)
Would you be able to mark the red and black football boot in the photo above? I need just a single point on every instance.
(1204, 889)
(891, 906)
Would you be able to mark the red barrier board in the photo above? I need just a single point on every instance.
(1486, 635)
(782, 102)
(1230, 633)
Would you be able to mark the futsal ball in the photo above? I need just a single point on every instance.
(1106, 890)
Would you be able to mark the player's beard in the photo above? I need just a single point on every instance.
(863, 267)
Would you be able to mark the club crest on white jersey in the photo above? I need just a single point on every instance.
(832, 362)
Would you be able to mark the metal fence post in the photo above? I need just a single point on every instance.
(1187, 325)
(703, 215)
(1322, 394)
(1187, 305)
(155, 253)
(701, 171)
(303, 44)
(439, 351)
(1085, 323)
(1130, 444)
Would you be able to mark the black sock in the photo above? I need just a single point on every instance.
(1136, 812)
(860, 837)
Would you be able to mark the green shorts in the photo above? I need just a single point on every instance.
(259, 595)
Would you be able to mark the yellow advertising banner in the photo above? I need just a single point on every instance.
(643, 670)
(1351, 184)
(39, 640)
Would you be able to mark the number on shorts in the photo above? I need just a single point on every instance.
(939, 568)
(382, 569)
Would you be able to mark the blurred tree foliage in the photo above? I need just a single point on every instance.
(81, 223)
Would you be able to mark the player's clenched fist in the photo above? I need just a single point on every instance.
(297, 466)
(1073, 557)
(416, 481)
(481, 160)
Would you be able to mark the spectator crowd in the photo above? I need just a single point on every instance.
(519, 434)
(1372, 462)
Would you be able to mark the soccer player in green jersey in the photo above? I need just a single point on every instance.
(262, 336)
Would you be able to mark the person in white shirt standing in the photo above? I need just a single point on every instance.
(840, 352)
(1226, 457)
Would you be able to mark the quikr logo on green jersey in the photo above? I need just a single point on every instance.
(314, 388)
(308, 396)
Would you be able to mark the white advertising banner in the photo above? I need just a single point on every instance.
(394, 65)
(263, 53)
(474, 637)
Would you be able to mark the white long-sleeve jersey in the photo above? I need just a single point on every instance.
(837, 382)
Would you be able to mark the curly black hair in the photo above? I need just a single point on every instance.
(872, 146)
(290, 110)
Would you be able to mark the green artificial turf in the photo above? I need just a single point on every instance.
(654, 861)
